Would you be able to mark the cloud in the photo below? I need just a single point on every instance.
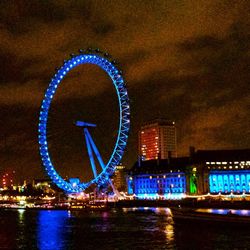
(225, 126)
(185, 60)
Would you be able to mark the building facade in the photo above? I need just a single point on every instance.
(8, 179)
(119, 178)
(158, 179)
(157, 140)
(204, 172)
(225, 171)
(44, 185)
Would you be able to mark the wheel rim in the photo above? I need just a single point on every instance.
(124, 121)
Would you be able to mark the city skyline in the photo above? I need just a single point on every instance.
(186, 61)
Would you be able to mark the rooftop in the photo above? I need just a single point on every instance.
(161, 166)
(159, 121)
(222, 155)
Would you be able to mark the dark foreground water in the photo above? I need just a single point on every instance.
(116, 229)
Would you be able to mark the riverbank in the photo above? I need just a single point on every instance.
(185, 203)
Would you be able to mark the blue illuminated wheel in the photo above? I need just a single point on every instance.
(124, 120)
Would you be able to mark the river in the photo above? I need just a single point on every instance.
(115, 229)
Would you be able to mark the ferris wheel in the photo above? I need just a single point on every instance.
(74, 185)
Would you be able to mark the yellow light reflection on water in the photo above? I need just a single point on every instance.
(21, 214)
(169, 231)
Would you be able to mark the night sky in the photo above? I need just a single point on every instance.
(187, 61)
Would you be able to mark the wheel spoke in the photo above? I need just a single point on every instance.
(90, 152)
(97, 153)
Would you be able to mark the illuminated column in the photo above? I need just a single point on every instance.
(231, 182)
(243, 182)
(215, 183)
(248, 183)
(220, 183)
(238, 187)
(226, 184)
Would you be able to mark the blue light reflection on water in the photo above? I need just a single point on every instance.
(51, 231)
(128, 228)
(157, 210)
(240, 212)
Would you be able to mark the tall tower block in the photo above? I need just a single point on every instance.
(157, 140)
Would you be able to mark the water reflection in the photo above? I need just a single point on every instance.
(51, 229)
(21, 215)
(157, 210)
(169, 231)
(240, 212)
(21, 226)
(150, 228)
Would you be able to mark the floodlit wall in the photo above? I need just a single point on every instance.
(237, 181)
(161, 185)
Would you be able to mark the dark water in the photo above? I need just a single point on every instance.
(116, 229)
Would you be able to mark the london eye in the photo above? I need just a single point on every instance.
(74, 185)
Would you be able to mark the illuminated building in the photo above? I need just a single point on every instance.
(119, 179)
(43, 185)
(8, 180)
(158, 179)
(224, 171)
(157, 140)
(205, 171)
